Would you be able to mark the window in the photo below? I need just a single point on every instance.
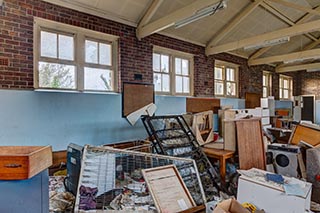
(266, 84)
(172, 72)
(285, 87)
(225, 79)
(68, 57)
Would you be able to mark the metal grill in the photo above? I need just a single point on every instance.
(111, 180)
(172, 136)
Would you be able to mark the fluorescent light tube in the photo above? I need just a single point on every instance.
(268, 43)
(201, 14)
(301, 59)
(313, 70)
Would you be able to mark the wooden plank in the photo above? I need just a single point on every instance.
(229, 135)
(250, 144)
(23, 162)
(202, 127)
(252, 100)
(195, 105)
(136, 96)
(307, 134)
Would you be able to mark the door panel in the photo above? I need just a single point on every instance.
(307, 112)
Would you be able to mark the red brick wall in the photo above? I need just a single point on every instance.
(16, 48)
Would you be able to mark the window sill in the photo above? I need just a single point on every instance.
(76, 91)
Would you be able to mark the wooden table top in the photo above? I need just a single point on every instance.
(217, 152)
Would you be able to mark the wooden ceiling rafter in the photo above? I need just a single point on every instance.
(300, 67)
(287, 20)
(307, 54)
(296, 6)
(148, 14)
(170, 19)
(235, 21)
(297, 29)
(309, 46)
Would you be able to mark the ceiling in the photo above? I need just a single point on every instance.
(231, 29)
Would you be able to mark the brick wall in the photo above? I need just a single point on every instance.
(16, 48)
(309, 83)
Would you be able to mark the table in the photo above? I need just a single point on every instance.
(222, 156)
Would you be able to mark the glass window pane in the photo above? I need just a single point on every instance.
(264, 80)
(164, 63)
(231, 89)
(53, 75)
(179, 84)
(48, 44)
(66, 47)
(285, 83)
(280, 93)
(218, 88)
(91, 52)
(281, 82)
(165, 83)
(185, 67)
(285, 93)
(230, 74)
(157, 82)
(156, 62)
(265, 93)
(186, 85)
(105, 54)
(218, 73)
(98, 79)
(178, 66)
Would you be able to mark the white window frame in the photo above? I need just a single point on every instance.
(224, 65)
(80, 35)
(172, 75)
(268, 86)
(282, 88)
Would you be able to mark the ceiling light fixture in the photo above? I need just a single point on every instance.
(207, 11)
(268, 43)
(313, 70)
(301, 59)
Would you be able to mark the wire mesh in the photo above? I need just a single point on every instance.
(111, 180)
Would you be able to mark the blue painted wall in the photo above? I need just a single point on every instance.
(58, 118)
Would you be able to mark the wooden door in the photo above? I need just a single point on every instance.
(307, 111)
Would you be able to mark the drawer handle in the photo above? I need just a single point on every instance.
(13, 165)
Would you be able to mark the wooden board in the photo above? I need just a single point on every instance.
(305, 133)
(136, 96)
(250, 144)
(202, 127)
(167, 189)
(252, 100)
(23, 162)
(195, 105)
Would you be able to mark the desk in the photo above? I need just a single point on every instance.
(222, 156)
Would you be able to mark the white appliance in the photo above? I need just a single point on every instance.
(285, 159)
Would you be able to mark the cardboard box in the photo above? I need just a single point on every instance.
(230, 206)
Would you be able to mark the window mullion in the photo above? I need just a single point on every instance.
(80, 60)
